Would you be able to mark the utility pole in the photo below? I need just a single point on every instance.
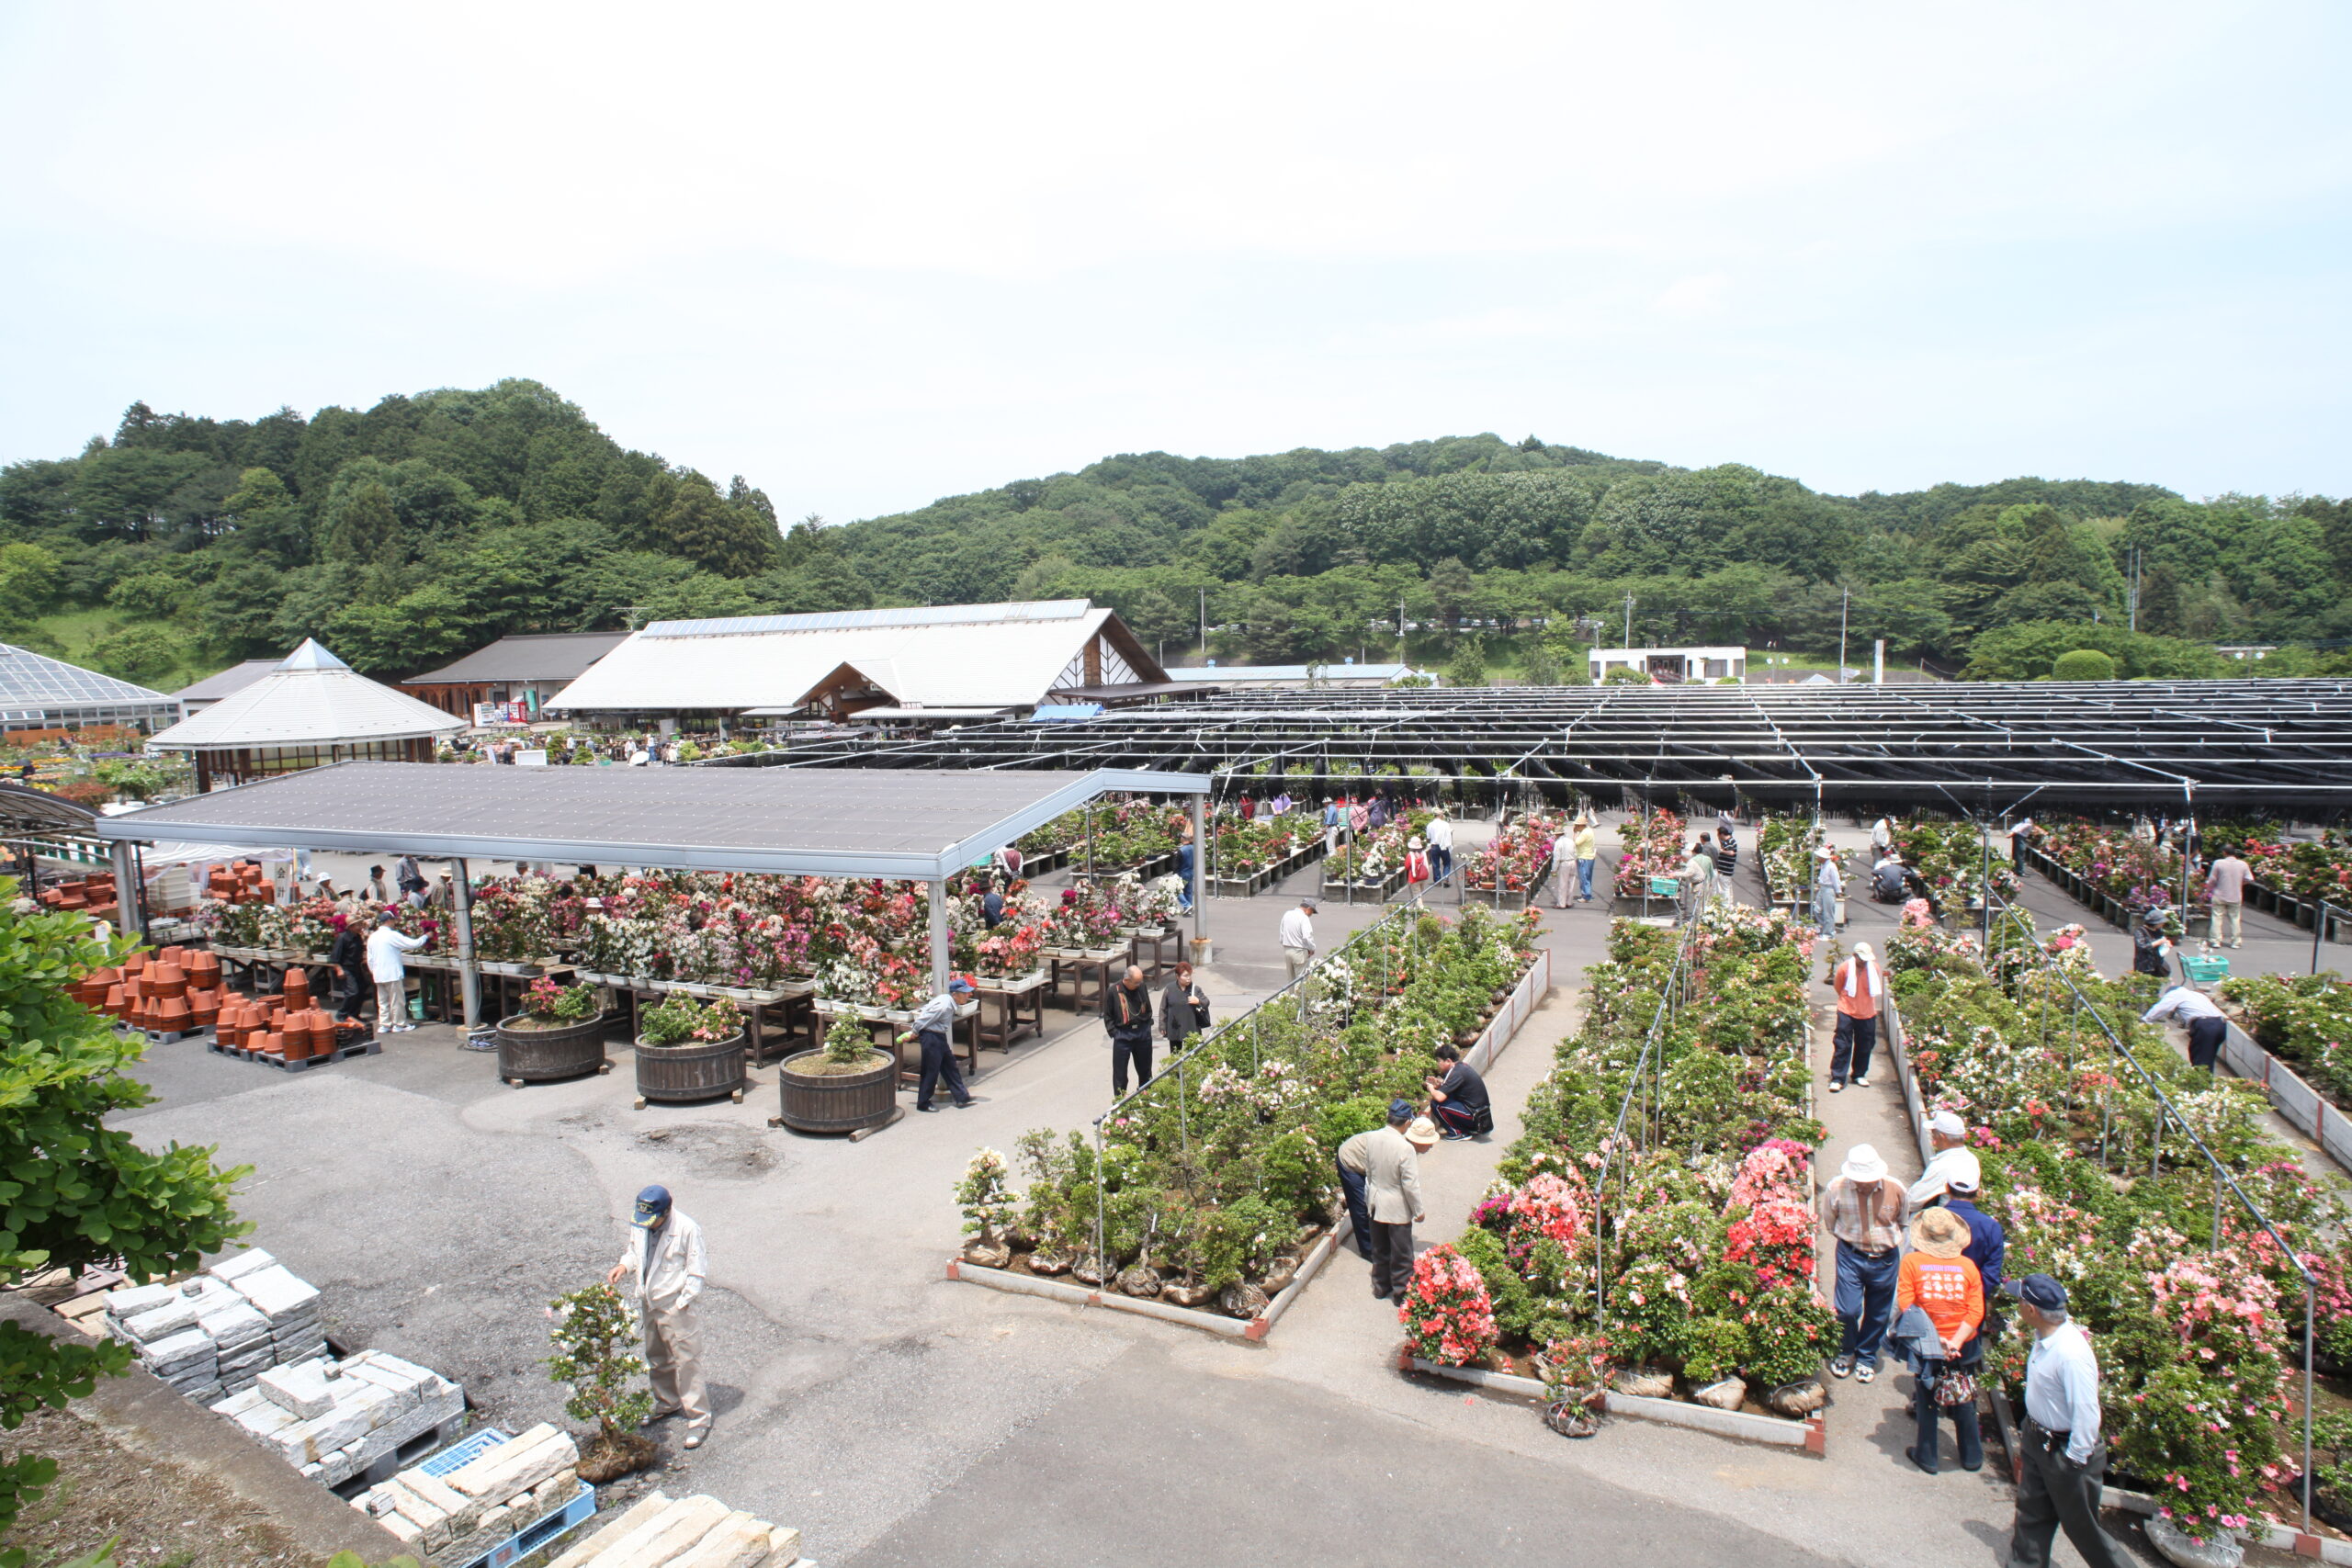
(1204, 623)
(1844, 596)
(1629, 620)
(2136, 588)
(1401, 660)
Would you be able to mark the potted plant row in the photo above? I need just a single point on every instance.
(559, 1033)
(688, 1050)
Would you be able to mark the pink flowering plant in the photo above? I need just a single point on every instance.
(1446, 1312)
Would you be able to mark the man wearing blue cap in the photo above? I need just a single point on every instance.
(2064, 1455)
(665, 1255)
(933, 1027)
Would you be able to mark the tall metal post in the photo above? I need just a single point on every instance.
(1200, 880)
(461, 908)
(938, 886)
(129, 918)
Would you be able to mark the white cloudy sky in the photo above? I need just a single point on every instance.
(869, 255)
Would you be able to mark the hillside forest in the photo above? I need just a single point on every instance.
(407, 534)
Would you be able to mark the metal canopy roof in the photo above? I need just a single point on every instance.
(24, 810)
(2283, 747)
(920, 825)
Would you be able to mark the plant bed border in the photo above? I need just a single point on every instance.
(1254, 883)
(1253, 1329)
(1810, 1434)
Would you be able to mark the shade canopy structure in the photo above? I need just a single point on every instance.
(2279, 746)
(32, 811)
(923, 825)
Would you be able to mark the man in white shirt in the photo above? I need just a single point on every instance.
(1440, 836)
(1297, 937)
(1564, 865)
(2066, 1457)
(2206, 1027)
(1954, 1164)
(2225, 882)
(385, 946)
(664, 1254)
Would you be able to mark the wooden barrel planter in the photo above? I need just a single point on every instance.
(540, 1055)
(840, 1102)
(674, 1074)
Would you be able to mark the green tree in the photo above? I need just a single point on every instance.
(367, 529)
(74, 1191)
(265, 518)
(2083, 664)
(701, 527)
(29, 576)
(141, 654)
(1469, 664)
(148, 595)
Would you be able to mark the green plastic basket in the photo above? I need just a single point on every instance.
(2202, 970)
(1665, 886)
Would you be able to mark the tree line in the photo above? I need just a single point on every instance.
(406, 533)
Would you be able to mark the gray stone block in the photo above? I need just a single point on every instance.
(133, 1300)
(303, 1388)
(277, 1294)
(161, 1322)
(168, 1355)
(239, 1264)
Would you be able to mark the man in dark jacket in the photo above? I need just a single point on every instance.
(1183, 1008)
(349, 956)
(1127, 1015)
(1458, 1100)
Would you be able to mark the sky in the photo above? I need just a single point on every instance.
(870, 255)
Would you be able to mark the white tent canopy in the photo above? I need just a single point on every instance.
(312, 698)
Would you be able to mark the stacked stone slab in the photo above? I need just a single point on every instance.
(332, 1420)
(685, 1532)
(458, 1517)
(215, 1333)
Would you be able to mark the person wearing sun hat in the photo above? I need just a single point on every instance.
(1945, 1286)
(2064, 1455)
(1828, 886)
(1861, 986)
(1954, 1164)
(1863, 1209)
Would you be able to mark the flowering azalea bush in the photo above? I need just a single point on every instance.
(1784, 847)
(1446, 1312)
(1655, 846)
(1950, 858)
(1516, 857)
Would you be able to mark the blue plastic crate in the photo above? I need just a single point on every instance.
(530, 1539)
(2204, 969)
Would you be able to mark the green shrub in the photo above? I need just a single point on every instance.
(2083, 664)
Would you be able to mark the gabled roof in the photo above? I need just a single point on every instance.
(235, 678)
(967, 656)
(529, 655)
(312, 698)
(33, 682)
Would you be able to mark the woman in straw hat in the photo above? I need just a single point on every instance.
(1946, 1288)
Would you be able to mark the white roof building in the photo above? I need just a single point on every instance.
(311, 710)
(195, 699)
(983, 657)
(1672, 666)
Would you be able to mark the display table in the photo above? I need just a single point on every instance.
(1090, 974)
(1020, 1002)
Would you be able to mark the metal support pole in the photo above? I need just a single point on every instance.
(129, 918)
(462, 906)
(939, 939)
(2319, 932)
(1200, 880)
(1090, 838)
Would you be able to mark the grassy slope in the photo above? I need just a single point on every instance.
(77, 630)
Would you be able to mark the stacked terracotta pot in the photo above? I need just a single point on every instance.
(284, 1024)
(175, 991)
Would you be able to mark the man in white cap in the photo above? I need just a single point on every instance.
(1861, 986)
(1953, 1165)
(1863, 1210)
(1564, 865)
(1828, 888)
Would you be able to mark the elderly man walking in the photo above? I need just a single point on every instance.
(1828, 886)
(1863, 1210)
(664, 1256)
(2065, 1456)
(1126, 1013)
(1392, 1178)
(2225, 882)
(1297, 934)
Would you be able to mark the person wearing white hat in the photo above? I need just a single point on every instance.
(1588, 852)
(1828, 888)
(1861, 986)
(1863, 1209)
(1954, 1164)
(1564, 860)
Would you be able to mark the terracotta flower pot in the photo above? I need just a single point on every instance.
(204, 1007)
(269, 1042)
(171, 1013)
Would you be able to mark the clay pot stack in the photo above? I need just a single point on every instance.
(283, 1025)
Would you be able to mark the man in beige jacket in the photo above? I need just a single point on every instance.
(1392, 1178)
(665, 1255)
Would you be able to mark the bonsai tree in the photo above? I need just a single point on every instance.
(550, 1004)
(595, 1339)
(680, 1020)
(987, 1203)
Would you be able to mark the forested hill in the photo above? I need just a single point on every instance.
(411, 532)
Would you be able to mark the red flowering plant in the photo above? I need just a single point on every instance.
(1516, 859)
(1446, 1311)
(1655, 846)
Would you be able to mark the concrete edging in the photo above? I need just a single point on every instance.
(1809, 1435)
(2277, 1538)
(1215, 1323)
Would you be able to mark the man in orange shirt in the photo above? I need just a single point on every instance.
(1859, 985)
(1944, 1285)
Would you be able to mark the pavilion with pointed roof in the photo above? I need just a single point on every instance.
(313, 709)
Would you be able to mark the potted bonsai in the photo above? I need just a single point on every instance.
(690, 1050)
(595, 1360)
(987, 1204)
(845, 1084)
(559, 1033)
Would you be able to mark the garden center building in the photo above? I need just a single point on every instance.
(194, 700)
(979, 659)
(40, 693)
(511, 680)
(311, 709)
